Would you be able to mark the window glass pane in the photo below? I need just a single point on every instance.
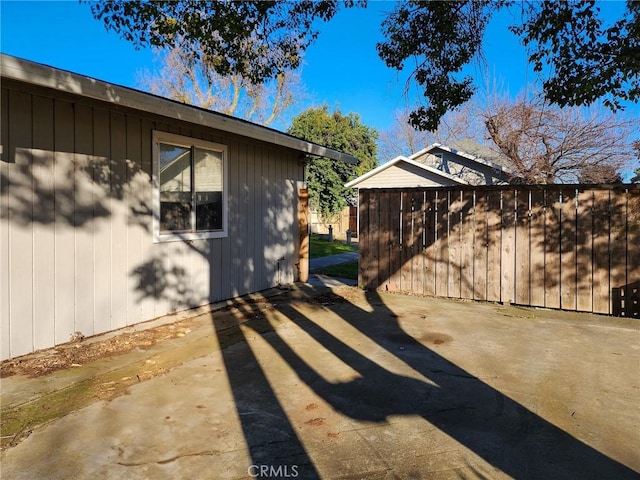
(208, 189)
(175, 188)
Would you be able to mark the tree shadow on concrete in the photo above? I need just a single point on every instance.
(269, 435)
(495, 427)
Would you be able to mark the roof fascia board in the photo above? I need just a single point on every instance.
(45, 76)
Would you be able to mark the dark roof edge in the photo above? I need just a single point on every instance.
(46, 76)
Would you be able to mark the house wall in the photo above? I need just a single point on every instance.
(76, 240)
(472, 172)
(403, 175)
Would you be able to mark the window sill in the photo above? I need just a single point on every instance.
(188, 236)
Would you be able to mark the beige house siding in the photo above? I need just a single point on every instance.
(76, 239)
(403, 174)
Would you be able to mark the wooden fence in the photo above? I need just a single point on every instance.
(561, 246)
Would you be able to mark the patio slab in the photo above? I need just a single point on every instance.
(348, 384)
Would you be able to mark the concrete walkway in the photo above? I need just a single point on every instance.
(325, 384)
(322, 262)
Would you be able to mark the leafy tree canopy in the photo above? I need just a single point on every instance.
(636, 146)
(583, 58)
(255, 39)
(326, 178)
(587, 60)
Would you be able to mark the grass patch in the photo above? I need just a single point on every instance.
(322, 248)
(343, 270)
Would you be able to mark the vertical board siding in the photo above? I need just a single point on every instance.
(558, 246)
(64, 221)
(85, 234)
(5, 302)
(76, 222)
(20, 230)
(42, 172)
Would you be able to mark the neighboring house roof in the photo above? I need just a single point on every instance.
(482, 153)
(471, 150)
(417, 169)
(65, 81)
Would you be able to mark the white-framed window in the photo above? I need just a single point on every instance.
(189, 188)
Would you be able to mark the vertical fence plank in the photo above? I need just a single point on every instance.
(584, 251)
(523, 248)
(406, 242)
(395, 238)
(601, 243)
(455, 247)
(417, 262)
(632, 288)
(552, 248)
(373, 241)
(537, 247)
(481, 243)
(429, 253)
(364, 258)
(441, 246)
(507, 286)
(468, 244)
(568, 279)
(384, 260)
(618, 249)
(494, 249)
(618, 237)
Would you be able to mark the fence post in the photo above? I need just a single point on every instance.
(303, 221)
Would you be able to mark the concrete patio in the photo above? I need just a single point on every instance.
(314, 383)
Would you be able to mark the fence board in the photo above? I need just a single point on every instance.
(536, 247)
(584, 251)
(552, 250)
(406, 242)
(494, 220)
(618, 238)
(481, 243)
(395, 233)
(523, 248)
(508, 253)
(441, 244)
(372, 242)
(417, 273)
(428, 242)
(557, 246)
(364, 257)
(455, 244)
(383, 242)
(631, 307)
(467, 244)
(601, 243)
(568, 250)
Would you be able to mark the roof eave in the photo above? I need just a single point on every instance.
(45, 76)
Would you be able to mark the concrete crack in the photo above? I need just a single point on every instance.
(170, 460)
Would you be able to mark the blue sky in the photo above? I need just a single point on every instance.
(341, 69)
